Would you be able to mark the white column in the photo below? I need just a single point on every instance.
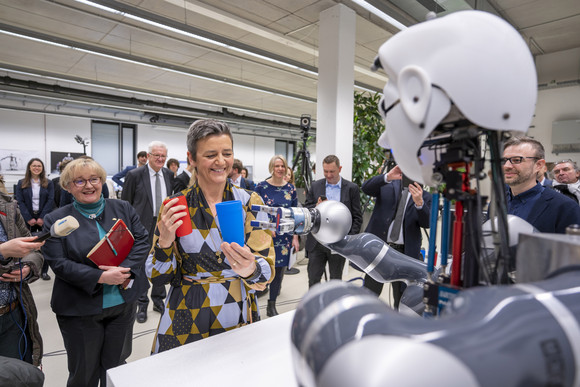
(334, 116)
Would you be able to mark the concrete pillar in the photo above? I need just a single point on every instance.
(334, 120)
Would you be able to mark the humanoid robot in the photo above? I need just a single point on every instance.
(454, 84)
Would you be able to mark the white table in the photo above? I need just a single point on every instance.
(258, 354)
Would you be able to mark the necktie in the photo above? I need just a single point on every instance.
(398, 222)
(157, 193)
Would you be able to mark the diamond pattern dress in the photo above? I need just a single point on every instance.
(206, 296)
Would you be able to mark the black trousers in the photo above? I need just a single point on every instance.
(397, 286)
(158, 292)
(96, 343)
(14, 342)
(317, 259)
(276, 283)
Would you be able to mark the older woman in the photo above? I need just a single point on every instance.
(94, 310)
(210, 279)
(277, 192)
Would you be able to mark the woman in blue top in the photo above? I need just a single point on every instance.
(277, 192)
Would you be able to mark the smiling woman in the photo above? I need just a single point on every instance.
(94, 309)
(210, 279)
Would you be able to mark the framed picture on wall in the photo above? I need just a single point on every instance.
(58, 157)
(14, 161)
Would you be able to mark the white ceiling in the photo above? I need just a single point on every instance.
(69, 57)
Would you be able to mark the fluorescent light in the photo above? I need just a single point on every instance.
(377, 12)
(193, 36)
(152, 66)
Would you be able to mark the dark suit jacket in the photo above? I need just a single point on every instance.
(247, 184)
(24, 199)
(387, 195)
(349, 196)
(121, 175)
(137, 191)
(553, 212)
(76, 291)
(181, 182)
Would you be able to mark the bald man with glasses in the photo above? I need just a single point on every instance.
(545, 209)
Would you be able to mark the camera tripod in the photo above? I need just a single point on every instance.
(302, 158)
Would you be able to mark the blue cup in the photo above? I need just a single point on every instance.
(231, 221)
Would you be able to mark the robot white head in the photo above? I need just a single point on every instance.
(469, 63)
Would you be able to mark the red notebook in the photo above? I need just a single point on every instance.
(114, 247)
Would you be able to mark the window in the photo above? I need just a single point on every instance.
(286, 149)
(113, 145)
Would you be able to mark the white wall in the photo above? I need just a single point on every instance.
(555, 105)
(45, 133)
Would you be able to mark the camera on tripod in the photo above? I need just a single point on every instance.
(305, 123)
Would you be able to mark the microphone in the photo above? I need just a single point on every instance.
(60, 228)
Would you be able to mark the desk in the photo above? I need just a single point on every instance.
(258, 354)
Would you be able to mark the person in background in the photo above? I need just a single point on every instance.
(542, 177)
(332, 187)
(289, 177)
(545, 209)
(277, 192)
(119, 177)
(237, 178)
(145, 188)
(21, 263)
(399, 214)
(173, 165)
(94, 308)
(245, 173)
(56, 183)
(566, 179)
(183, 180)
(35, 197)
(210, 278)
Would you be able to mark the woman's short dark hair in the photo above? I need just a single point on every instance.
(172, 161)
(201, 129)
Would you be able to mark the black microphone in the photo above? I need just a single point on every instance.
(60, 228)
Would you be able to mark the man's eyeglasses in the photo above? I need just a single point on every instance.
(159, 157)
(516, 159)
(82, 182)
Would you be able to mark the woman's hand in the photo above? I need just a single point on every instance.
(39, 222)
(16, 275)
(241, 258)
(114, 275)
(170, 222)
(19, 247)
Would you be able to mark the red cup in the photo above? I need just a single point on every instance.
(185, 228)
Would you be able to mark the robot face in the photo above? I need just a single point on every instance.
(472, 61)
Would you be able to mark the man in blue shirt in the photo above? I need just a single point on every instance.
(141, 160)
(545, 209)
(332, 187)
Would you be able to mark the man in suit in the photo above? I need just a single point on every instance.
(182, 180)
(566, 174)
(543, 208)
(542, 177)
(332, 187)
(237, 178)
(141, 160)
(397, 218)
(145, 188)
